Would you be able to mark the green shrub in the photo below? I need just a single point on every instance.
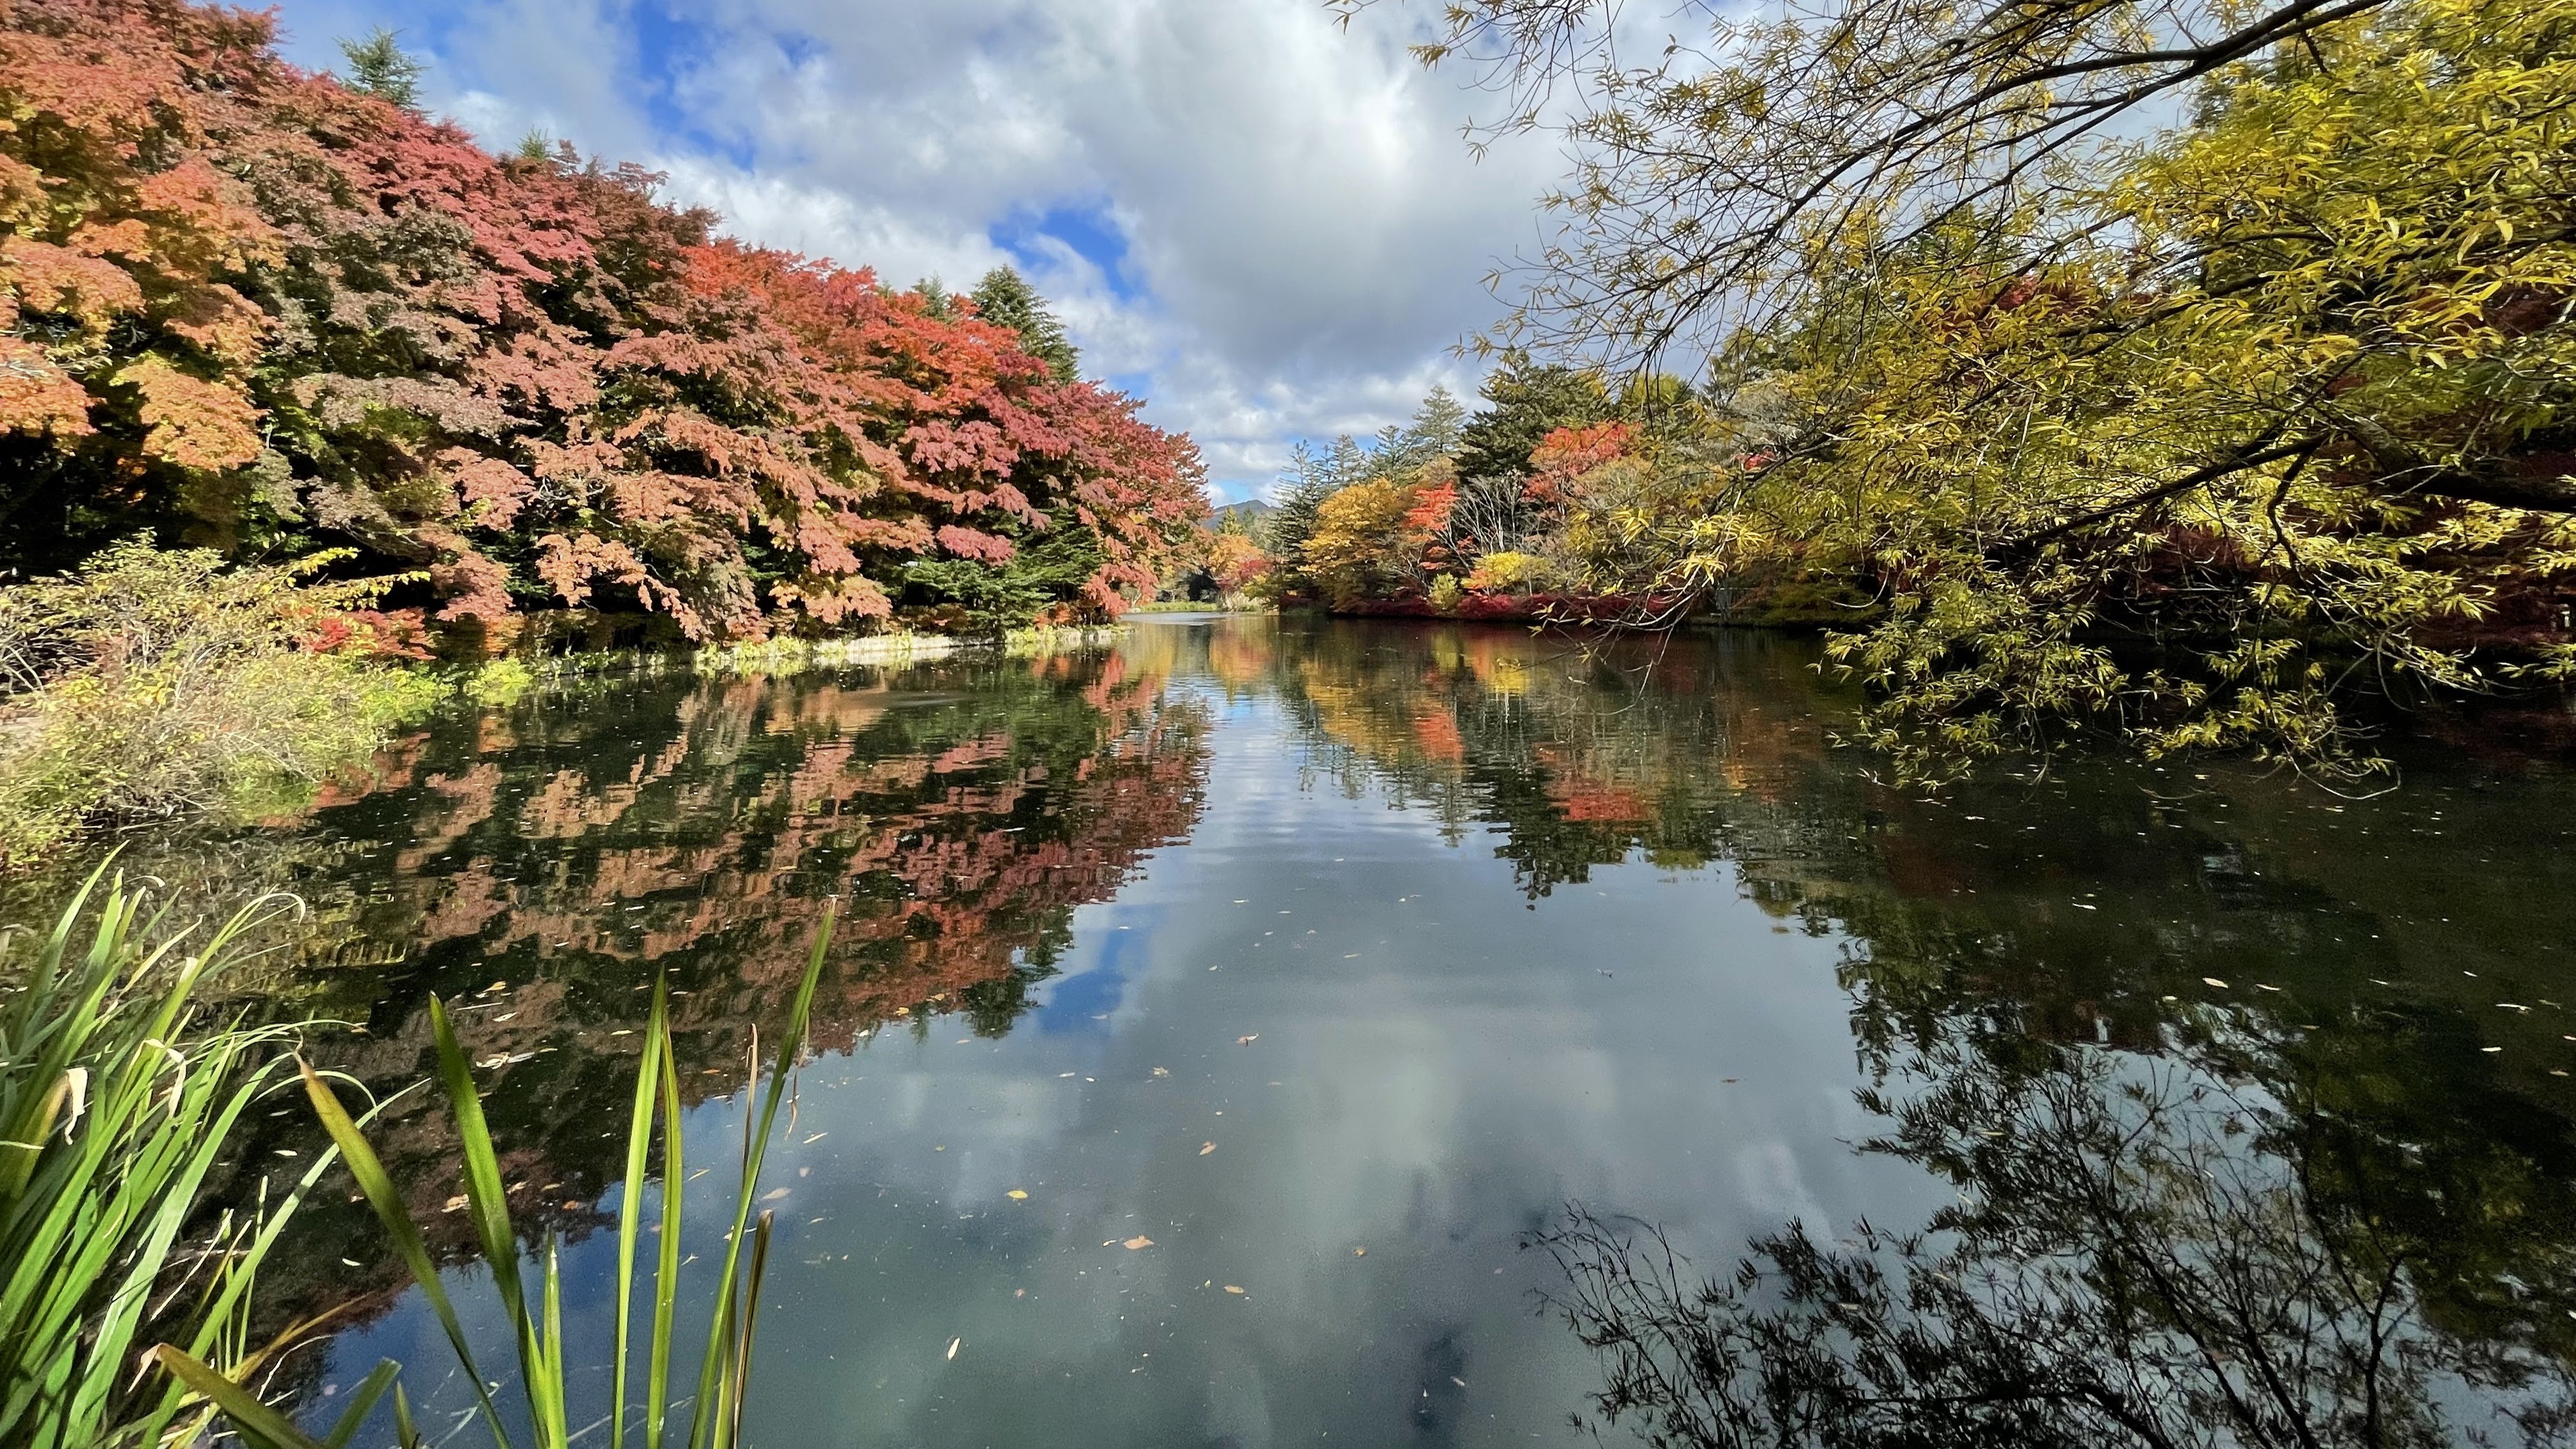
(1497, 573)
(160, 684)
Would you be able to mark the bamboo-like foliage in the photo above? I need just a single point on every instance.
(712, 1417)
(115, 1103)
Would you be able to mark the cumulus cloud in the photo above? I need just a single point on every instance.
(1264, 224)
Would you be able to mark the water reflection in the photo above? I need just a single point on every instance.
(2143, 1252)
(541, 868)
(1442, 927)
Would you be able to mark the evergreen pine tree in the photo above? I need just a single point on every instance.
(1006, 299)
(379, 66)
(1526, 401)
(1437, 426)
(1303, 489)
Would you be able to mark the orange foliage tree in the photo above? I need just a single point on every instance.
(247, 307)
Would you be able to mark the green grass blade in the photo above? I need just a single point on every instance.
(406, 1433)
(372, 1389)
(757, 1132)
(639, 1144)
(741, 1392)
(391, 1211)
(257, 1423)
(553, 1431)
(666, 1281)
(488, 1204)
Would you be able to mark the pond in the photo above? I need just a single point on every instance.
(1217, 1020)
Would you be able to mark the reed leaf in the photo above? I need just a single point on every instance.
(715, 1413)
(116, 1103)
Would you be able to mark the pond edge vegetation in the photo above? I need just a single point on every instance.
(116, 1099)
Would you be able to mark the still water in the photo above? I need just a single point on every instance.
(1302, 974)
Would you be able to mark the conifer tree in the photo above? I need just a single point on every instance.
(1006, 299)
(380, 67)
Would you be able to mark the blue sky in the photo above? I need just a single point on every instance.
(1265, 225)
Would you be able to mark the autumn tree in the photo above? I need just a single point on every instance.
(2198, 438)
(260, 311)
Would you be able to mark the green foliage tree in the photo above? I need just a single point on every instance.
(1006, 299)
(2195, 438)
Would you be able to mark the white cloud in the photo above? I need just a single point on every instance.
(1268, 223)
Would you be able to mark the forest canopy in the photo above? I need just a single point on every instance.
(2193, 374)
(269, 313)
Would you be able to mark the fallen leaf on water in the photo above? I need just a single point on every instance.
(1137, 1243)
(1247, 1040)
(1162, 1071)
(773, 1195)
(1359, 1252)
(1230, 1288)
(952, 1346)
(2213, 981)
(1206, 1147)
(1016, 1195)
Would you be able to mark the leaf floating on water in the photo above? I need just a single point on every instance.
(1230, 1288)
(1206, 1147)
(1137, 1243)
(952, 1346)
(773, 1195)
(1162, 1071)
(1247, 1040)
(1016, 1195)
(2213, 981)
(1359, 1252)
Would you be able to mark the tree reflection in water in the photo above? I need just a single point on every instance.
(2144, 1251)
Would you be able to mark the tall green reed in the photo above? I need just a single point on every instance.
(116, 1102)
(713, 1414)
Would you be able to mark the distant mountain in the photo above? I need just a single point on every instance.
(1250, 511)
